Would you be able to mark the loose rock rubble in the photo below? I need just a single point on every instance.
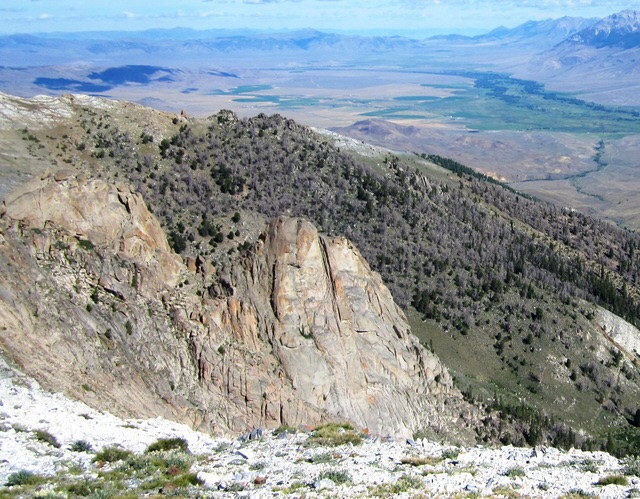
(264, 463)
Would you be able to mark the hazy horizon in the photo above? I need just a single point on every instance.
(402, 17)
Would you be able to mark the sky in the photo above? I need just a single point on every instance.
(366, 16)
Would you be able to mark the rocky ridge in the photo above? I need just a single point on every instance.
(94, 303)
(621, 29)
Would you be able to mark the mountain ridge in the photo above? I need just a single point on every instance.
(228, 352)
(481, 271)
(618, 30)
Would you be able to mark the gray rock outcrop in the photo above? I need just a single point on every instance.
(94, 303)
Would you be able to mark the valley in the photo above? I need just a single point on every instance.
(494, 102)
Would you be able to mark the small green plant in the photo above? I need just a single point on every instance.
(514, 472)
(613, 480)
(324, 457)
(576, 494)
(167, 444)
(589, 466)
(336, 476)
(82, 488)
(334, 434)
(306, 332)
(632, 466)
(186, 479)
(424, 433)
(402, 484)
(420, 460)
(221, 447)
(283, 427)
(112, 454)
(23, 477)
(293, 487)
(235, 487)
(81, 446)
(450, 453)
(260, 465)
(47, 438)
(85, 244)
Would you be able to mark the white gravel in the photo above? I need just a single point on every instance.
(230, 467)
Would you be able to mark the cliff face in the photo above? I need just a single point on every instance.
(299, 330)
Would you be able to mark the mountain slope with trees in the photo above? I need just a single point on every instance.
(506, 289)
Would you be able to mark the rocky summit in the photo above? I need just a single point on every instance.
(298, 329)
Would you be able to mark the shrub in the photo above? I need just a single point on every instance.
(576, 493)
(82, 488)
(324, 457)
(336, 476)
(295, 486)
(632, 466)
(517, 471)
(420, 461)
(612, 480)
(450, 453)
(47, 438)
(165, 444)
(85, 244)
(23, 477)
(284, 428)
(589, 466)
(186, 479)
(112, 454)
(80, 446)
(403, 484)
(334, 434)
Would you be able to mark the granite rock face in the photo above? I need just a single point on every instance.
(334, 328)
(113, 218)
(94, 303)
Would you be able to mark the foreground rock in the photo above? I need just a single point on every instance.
(94, 303)
(289, 464)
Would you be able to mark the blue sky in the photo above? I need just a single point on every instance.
(395, 16)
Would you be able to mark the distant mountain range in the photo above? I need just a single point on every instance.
(539, 34)
(619, 30)
(601, 59)
(192, 46)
